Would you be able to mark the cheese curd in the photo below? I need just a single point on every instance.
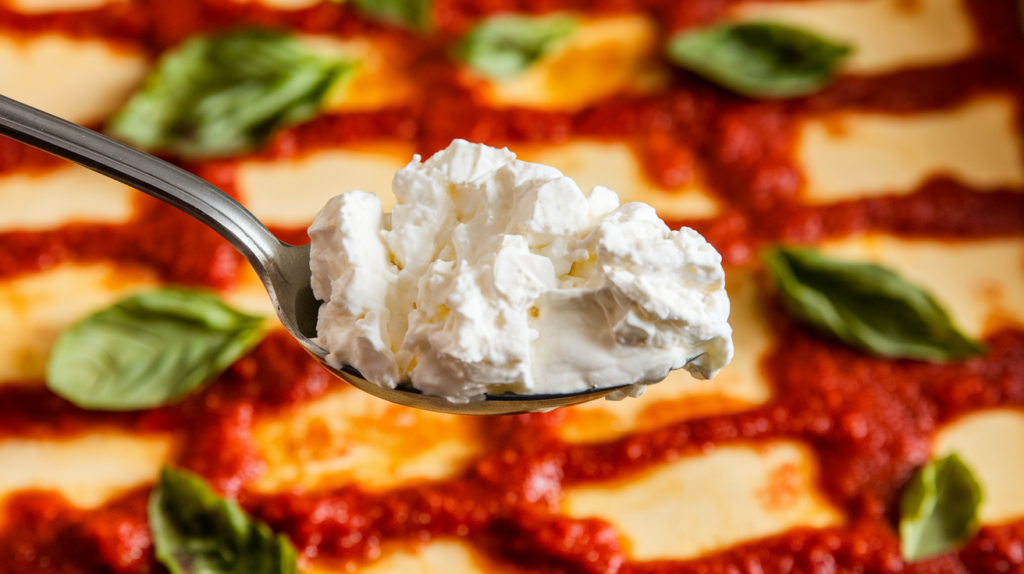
(494, 275)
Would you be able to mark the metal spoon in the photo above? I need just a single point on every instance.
(283, 268)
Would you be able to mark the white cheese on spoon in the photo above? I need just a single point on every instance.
(494, 275)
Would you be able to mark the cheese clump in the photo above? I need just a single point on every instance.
(494, 275)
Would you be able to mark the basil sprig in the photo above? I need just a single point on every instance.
(195, 531)
(503, 46)
(150, 349)
(220, 95)
(415, 14)
(939, 509)
(759, 59)
(867, 306)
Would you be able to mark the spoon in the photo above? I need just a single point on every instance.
(283, 268)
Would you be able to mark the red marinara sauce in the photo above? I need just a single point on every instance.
(869, 421)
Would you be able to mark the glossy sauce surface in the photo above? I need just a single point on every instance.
(869, 422)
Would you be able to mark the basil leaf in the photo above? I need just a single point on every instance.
(759, 60)
(197, 532)
(867, 306)
(148, 350)
(503, 46)
(410, 13)
(939, 509)
(226, 94)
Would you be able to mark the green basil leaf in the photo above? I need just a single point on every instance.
(226, 94)
(197, 532)
(150, 349)
(939, 509)
(867, 306)
(503, 46)
(409, 13)
(759, 60)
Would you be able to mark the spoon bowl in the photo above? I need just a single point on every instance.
(284, 269)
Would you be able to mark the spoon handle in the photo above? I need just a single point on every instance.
(144, 172)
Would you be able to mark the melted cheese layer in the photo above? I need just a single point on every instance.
(64, 195)
(739, 386)
(980, 283)
(602, 57)
(250, 296)
(44, 6)
(855, 155)
(82, 81)
(292, 192)
(990, 443)
(615, 166)
(709, 502)
(886, 34)
(351, 436)
(35, 309)
(86, 470)
(282, 4)
(383, 77)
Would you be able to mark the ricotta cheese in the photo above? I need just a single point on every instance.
(494, 275)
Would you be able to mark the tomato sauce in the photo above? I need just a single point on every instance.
(869, 421)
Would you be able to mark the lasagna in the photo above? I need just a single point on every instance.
(795, 458)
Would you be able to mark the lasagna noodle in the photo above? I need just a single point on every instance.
(34, 309)
(383, 74)
(990, 443)
(886, 35)
(602, 57)
(855, 155)
(82, 81)
(980, 283)
(45, 6)
(250, 296)
(709, 502)
(353, 437)
(282, 4)
(68, 194)
(290, 193)
(87, 470)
